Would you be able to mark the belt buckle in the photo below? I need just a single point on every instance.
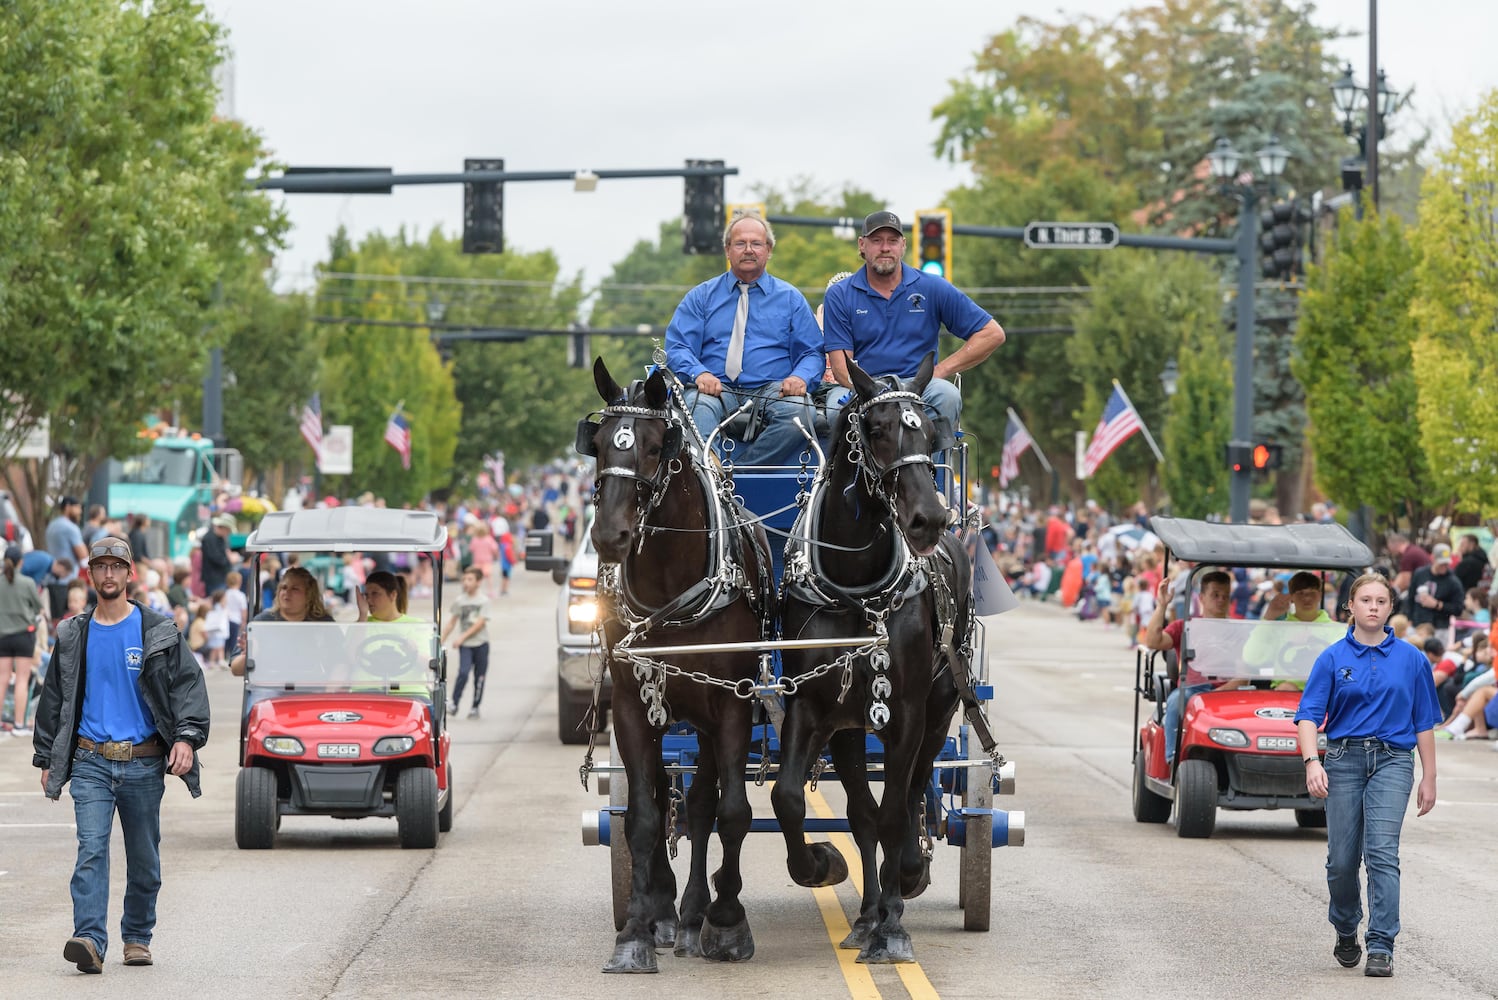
(120, 750)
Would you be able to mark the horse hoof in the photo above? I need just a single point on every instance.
(689, 942)
(829, 863)
(727, 944)
(632, 957)
(911, 887)
(888, 949)
(858, 937)
(665, 934)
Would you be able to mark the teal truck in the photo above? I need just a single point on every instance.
(174, 484)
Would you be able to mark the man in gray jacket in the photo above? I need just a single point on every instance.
(124, 703)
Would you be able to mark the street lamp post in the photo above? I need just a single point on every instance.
(1170, 378)
(1351, 100)
(1223, 161)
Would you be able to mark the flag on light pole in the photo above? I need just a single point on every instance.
(398, 436)
(1017, 441)
(1118, 423)
(311, 426)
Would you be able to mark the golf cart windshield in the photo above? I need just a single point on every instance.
(398, 657)
(1224, 648)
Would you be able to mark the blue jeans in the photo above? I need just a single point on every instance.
(1174, 705)
(100, 788)
(1368, 790)
(779, 441)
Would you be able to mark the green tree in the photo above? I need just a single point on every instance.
(1199, 423)
(122, 201)
(1455, 309)
(1353, 355)
(494, 385)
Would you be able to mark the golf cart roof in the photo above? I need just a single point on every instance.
(1273, 546)
(348, 529)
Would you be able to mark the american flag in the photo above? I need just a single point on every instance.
(1118, 423)
(398, 436)
(1017, 441)
(312, 426)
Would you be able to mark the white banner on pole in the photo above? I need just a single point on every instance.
(1081, 454)
(337, 457)
(991, 593)
(37, 443)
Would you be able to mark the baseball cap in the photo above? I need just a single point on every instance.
(14, 553)
(882, 220)
(1441, 553)
(223, 521)
(109, 547)
(70, 501)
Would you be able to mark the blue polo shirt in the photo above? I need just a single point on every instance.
(781, 338)
(112, 706)
(891, 336)
(1384, 691)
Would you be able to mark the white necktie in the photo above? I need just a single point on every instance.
(736, 341)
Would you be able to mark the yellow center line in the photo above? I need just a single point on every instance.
(860, 981)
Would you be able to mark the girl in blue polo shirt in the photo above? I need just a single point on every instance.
(1379, 701)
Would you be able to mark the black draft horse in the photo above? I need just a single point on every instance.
(690, 570)
(870, 550)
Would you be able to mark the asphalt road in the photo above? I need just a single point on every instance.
(511, 904)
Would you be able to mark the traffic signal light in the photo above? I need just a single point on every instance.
(1284, 228)
(483, 210)
(933, 241)
(701, 231)
(1267, 457)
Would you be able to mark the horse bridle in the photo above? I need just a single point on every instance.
(624, 440)
(911, 418)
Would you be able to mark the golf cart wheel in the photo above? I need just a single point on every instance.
(621, 867)
(974, 886)
(255, 814)
(1310, 819)
(1196, 798)
(416, 807)
(1148, 807)
(445, 817)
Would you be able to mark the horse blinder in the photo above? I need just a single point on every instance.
(587, 432)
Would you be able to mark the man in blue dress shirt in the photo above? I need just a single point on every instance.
(746, 335)
(888, 316)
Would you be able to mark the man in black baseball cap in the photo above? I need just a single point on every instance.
(875, 221)
(889, 316)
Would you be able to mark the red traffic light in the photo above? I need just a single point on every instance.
(931, 230)
(1261, 457)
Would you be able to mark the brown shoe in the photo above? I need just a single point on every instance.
(82, 953)
(137, 953)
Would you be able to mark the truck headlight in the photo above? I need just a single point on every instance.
(286, 746)
(1227, 737)
(387, 745)
(582, 614)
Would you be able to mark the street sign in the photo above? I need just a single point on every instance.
(337, 458)
(1071, 236)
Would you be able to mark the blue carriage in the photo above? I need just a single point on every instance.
(954, 804)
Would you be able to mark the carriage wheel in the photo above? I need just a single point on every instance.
(621, 871)
(975, 880)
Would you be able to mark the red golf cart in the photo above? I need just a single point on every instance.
(345, 718)
(1237, 745)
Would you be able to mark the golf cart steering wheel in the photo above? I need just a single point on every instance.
(386, 657)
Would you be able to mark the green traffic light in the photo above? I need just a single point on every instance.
(933, 267)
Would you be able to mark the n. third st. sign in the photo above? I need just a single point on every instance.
(1071, 235)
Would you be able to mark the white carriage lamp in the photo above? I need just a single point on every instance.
(1347, 96)
(585, 180)
(1388, 98)
(1170, 378)
(1223, 161)
(1273, 158)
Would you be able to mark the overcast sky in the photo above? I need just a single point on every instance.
(782, 89)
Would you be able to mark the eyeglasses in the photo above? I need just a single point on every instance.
(742, 245)
(105, 568)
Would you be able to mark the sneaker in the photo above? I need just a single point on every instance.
(137, 953)
(473, 713)
(452, 709)
(1380, 964)
(22, 731)
(1347, 953)
(1442, 733)
(82, 953)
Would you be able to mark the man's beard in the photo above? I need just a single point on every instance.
(884, 265)
(109, 588)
